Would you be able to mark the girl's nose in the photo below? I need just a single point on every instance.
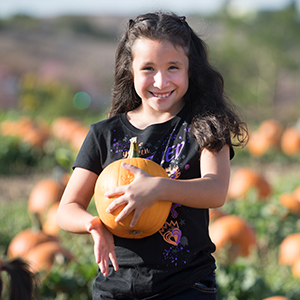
(160, 80)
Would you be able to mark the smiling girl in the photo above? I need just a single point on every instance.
(168, 96)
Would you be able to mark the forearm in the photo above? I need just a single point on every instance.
(73, 218)
(207, 192)
(72, 215)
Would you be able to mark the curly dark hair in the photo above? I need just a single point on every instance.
(215, 121)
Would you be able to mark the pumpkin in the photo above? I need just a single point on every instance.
(233, 232)
(289, 249)
(27, 239)
(296, 268)
(63, 128)
(152, 219)
(245, 179)
(43, 256)
(272, 130)
(258, 145)
(296, 193)
(215, 213)
(50, 225)
(265, 137)
(78, 137)
(290, 141)
(290, 201)
(277, 298)
(45, 193)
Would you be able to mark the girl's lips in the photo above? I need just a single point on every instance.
(161, 95)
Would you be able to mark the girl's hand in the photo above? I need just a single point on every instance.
(104, 247)
(140, 194)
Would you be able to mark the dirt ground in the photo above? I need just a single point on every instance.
(19, 187)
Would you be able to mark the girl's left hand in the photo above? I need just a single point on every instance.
(140, 194)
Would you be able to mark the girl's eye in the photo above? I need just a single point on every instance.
(173, 68)
(148, 69)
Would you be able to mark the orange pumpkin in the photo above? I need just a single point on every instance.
(152, 219)
(245, 179)
(265, 137)
(45, 193)
(296, 268)
(289, 249)
(277, 298)
(258, 144)
(28, 239)
(215, 213)
(50, 225)
(233, 232)
(290, 141)
(290, 201)
(43, 256)
(296, 193)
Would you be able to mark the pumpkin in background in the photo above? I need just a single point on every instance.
(290, 141)
(290, 201)
(289, 249)
(50, 225)
(152, 219)
(277, 298)
(45, 193)
(296, 268)
(28, 239)
(245, 179)
(233, 233)
(215, 213)
(265, 137)
(43, 256)
(296, 193)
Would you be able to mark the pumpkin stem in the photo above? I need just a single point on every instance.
(134, 148)
(36, 221)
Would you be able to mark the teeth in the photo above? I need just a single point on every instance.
(161, 95)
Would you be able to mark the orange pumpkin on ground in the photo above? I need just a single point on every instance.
(215, 213)
(28, 239)
(233, 232)
(265, 137)
(45, 193)
(296, 193)
(277, 298)
(152, 219)
(42, 257)
(290, 141)
(289, 201)
(50, 225)
(289, 249)
(296, 268)
(245, 179)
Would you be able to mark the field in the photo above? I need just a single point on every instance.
(57, 70)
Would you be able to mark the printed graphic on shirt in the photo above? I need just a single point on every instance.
(171, 154)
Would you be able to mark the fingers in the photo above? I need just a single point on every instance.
(114, 260)
(135, 218)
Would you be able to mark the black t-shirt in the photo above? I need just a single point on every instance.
(177, 256)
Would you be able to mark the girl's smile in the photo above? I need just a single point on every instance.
(160, 74)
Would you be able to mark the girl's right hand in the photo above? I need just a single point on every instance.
(104, 247)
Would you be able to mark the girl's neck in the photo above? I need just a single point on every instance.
(141, 119)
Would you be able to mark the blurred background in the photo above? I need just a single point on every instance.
(56, 76)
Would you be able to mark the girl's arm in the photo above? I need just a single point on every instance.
(207, 192)
(72, 216)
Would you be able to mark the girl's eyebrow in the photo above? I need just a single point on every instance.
(169, 63)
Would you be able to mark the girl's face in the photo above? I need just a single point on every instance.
(160, 74)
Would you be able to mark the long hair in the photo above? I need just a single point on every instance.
(23, 283)
(214, 120)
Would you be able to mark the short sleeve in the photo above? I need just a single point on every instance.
(89, 154)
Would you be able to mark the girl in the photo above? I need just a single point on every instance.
(168, 96)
